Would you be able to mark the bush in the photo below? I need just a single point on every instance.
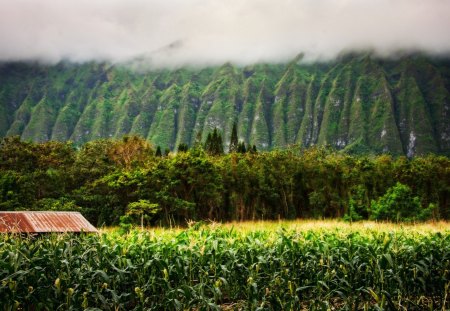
(399, 204)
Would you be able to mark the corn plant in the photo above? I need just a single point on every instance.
(219, 267)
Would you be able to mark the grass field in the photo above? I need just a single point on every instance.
(317, 265)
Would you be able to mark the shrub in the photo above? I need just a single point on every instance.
(399, 204)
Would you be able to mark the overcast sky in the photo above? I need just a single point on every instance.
(197, 32)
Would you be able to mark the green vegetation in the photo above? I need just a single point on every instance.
(399, 204)
(286, 266)
(110, 180)
(358, 103)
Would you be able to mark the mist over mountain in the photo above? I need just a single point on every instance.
(359, 75)
(176, 33)
(359, 103)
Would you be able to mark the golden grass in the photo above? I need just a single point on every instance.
(308, 225)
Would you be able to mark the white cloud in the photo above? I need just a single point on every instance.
(179, 32)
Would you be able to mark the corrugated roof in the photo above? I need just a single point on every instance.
(40, 222)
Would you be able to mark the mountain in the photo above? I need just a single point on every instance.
(359, 103)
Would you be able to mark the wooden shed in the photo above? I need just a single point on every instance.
(44, 222)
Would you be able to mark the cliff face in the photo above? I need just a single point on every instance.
(358, 103)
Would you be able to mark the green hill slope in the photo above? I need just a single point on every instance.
(358, 103)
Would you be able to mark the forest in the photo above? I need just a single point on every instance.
(127, 181)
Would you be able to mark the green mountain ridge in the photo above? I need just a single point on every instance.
(359, 103)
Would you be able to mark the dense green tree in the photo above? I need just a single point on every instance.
(102, 178)
(143, 209)
(241, 147)
(158, 152)
(398, 203)
(92, 161)
(214, 143)
(17, 155)
(183, 147)
(234, 144)
(130, 151)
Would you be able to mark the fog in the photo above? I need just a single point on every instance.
(204, 32)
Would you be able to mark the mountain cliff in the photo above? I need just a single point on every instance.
(359, 103)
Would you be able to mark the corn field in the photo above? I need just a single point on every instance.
(226, 267)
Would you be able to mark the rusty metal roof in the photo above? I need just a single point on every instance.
(41, 222)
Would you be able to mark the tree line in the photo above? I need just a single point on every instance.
(127, 180)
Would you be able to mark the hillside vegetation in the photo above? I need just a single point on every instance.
(358, 103)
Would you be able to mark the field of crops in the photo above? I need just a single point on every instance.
(253, 266)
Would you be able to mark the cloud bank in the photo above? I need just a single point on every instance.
(205, 32)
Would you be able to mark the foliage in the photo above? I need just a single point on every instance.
(103, 177)
(130, 151)
(215, 267)
(357, 208)
(183, 147)
(158, 152)
(60, 204)
(397, 204)
(234, 144)
(213, 144)
(144, 209)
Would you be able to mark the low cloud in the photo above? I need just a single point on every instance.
(205, 32)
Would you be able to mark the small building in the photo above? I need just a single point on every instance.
(44, 222)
